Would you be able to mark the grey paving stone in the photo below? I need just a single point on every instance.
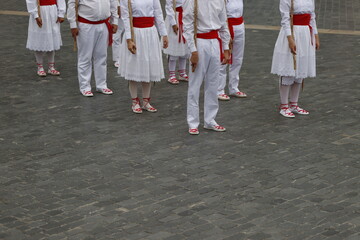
(77, 168)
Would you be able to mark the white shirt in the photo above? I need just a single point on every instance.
(300, 7)
(93, 10)
(235, 8)
(211, 16)
(169, 7)
(143, 8)
(32, 7)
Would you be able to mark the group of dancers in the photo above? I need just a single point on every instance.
(210, 34)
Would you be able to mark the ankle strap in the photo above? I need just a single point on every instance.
(147, 99)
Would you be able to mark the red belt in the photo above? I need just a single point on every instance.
(181, 26)
(214, 34)
(232, 22)
(304, 20)
(106, 21)
(143, 22)
(47, 2)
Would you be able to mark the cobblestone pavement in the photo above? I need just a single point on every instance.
(88, 169)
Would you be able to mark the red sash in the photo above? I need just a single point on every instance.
(214, 34)
(304, 20)
(143, 22)
(106, 21)
(181, 26)
(232, 22)
(47, 2)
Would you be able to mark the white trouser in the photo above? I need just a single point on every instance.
(116, 46)
(207, 70)
(92, 45)
(237, 60)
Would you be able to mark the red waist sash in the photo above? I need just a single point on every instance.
(143, 22)
(232, 22)
(47, 2)
(303, 20)
(106, 21)
(214, 34)
(181, 26)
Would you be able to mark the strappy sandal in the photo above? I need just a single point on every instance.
(40, 71)
(136, 105)
(294, 108)
(147, 106)
(52, 71)
(285, 111)
(183, 76)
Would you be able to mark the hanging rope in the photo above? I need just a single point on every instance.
(195, 21)
(292, 28)
(174, 7)
(76, 19)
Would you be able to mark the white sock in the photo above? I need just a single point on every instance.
(295, 93)
(133, 89)
(182, 64)
(39, 56)
(284, 93)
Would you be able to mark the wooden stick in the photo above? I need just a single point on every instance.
(76, 19)
(227, 22)
(196, 6)
(174, 7)
(292, 28)
(131, 21)
(38, 7)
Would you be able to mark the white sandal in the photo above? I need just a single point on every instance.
(147, 106)
(136, 105)
(285, 111)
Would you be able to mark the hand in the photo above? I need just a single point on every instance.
(317, 42)
(292, 44)
(74, 32)
(114, 28)
(194, 59)
(165, 42)
(226, 57)
(175, 29)
(60, 20)
(39, 21)
(131, 46)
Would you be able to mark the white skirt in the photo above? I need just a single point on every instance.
(147, 64)
(175, 48)
(283, 63)
(48, 37)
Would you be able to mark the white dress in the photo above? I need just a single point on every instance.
(282, 63)
(48, 37)
(146, 65)
(176, 48)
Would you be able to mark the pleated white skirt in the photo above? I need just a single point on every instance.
(48, 37)
(146, 65)
(175, 48)
(283, 64)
